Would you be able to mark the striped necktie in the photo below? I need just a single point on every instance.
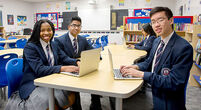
(159, 54)
(48, 55)
(75, 45)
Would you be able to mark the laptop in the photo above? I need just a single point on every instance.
(124, 43)
(116, 72)
(89, 62)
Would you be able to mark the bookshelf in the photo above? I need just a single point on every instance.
(2, 32)
(196, 70)
(132, 27)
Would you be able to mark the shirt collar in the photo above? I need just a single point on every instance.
(43, 43)
(71, 36)
(166, 40)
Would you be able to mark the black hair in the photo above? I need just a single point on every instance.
(35, 36)
(167, 11)
(148, 29)
(75, 18)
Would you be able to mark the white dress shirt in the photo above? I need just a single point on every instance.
(44, 45)
(166, 40)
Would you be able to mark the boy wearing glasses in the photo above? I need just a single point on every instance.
(73, 44)
(168, 66)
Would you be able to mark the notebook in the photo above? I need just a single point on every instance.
(89, 62)
(116, 72)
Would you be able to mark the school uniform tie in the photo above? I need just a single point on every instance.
(48, 55)
(159, 54)
(75, 45)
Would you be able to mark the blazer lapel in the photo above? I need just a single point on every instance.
(42, 52)
(166, 52)
(68, 45)
(54, 50)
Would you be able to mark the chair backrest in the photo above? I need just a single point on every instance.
(1, 48)
(21, 43)
(12, 37)
(14, 74)
(3, 60)
(2, 44)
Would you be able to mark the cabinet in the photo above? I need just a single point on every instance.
(2, 32)
(195, 75)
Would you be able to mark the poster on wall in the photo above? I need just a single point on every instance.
(142, 12)
(1, 21)
(67, 5)
(21, 20)
(52, 16)
(10, 19)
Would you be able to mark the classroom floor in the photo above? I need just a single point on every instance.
(139, 101)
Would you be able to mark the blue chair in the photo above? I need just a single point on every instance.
(3, 78)
(14, 74)
(21, 43)
(12, 45)
(97, 44)
(2, 44)
(1, 48)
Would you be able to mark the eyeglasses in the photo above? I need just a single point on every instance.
(76, 26)
(158, 21)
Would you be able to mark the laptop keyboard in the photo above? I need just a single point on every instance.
(117, 74)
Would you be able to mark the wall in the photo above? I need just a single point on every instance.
(15, 8)
(190, 7)
(97, 17)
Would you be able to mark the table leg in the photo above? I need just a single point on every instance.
(51, 98)
(118, 104)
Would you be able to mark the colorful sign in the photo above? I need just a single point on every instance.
(10, 19)
(21, 20)
(53, 17)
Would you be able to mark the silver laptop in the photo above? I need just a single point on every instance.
(89, 62)
(116, 72)
(124, 43)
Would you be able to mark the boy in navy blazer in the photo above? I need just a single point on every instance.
(73, 44)
(170, 61)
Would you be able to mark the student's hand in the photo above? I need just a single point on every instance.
(123, 67)
(69, 69)
(130, 46)
(133, 72)
(78, 64)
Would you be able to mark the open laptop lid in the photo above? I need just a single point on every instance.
(89, 61)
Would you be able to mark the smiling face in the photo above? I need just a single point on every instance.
(46, 32)
(161, 25)
(74, 28)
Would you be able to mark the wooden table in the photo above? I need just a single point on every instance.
(100, 82)
(8, 42)
(17, 51)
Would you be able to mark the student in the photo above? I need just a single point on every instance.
(73, 44)
(170, 60)
(146, 44)
(41, 57)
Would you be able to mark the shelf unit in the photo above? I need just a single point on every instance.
(2, 32)
(127, 31)
(196, 69)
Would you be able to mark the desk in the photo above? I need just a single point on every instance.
(21, 36)
(8, 42)
(100, 82)
(17, 51)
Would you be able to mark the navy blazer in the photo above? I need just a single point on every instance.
(148, 44)
(171, 75)
(65, 44)
(35, 65)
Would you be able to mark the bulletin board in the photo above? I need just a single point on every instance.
(142, 12)
(52, 16)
